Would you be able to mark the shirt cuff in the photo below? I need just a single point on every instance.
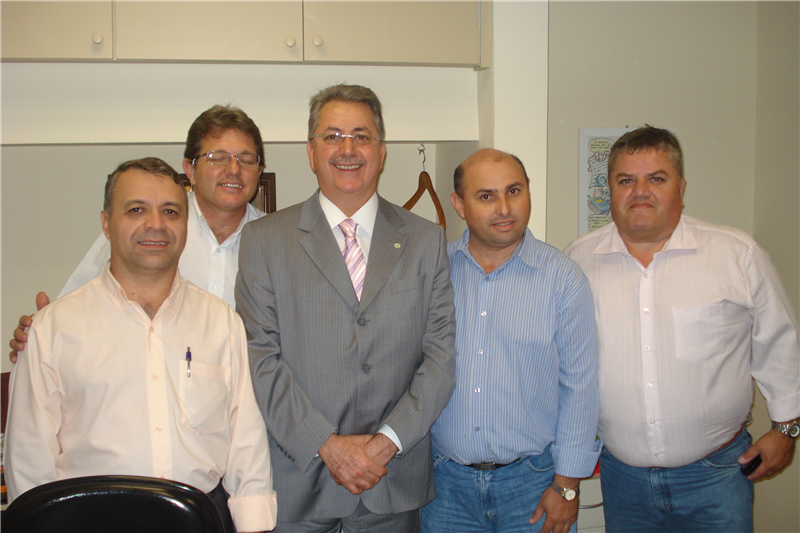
(389, 432)
(257, 512)
(785, 408)
(570, 462)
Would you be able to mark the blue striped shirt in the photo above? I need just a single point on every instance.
(526, 361)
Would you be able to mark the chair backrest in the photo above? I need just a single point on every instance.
(112, 503)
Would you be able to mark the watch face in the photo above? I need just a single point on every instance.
(794, 430)
(569, 495)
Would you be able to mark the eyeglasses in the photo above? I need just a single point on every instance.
(335, 138)
(218, 158)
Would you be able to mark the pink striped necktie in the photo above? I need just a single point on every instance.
(353, 256)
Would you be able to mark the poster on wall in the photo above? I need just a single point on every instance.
(594, 198)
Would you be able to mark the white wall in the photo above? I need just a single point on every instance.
(156, 102)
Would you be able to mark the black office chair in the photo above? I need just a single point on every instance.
(125, 504)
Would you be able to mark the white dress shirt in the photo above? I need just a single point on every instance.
(365, 218)
(102, 389)
(680, 340)
(204, 262)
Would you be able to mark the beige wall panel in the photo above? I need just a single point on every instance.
(242, 31)
(444, 33)
(56, 30)
(687, 66)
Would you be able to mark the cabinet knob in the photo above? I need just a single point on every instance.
(97, 38)
(290, 42)
(317, 40)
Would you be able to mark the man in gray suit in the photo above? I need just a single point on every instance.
(350, 368)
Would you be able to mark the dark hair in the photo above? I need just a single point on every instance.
(345, 93)
(458, 175)
(215, 122)
(151, 165)
(647, 138)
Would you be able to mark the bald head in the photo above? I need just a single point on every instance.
(483, 155)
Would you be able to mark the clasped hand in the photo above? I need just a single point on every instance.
(357, 462)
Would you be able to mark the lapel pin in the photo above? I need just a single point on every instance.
(397, 245)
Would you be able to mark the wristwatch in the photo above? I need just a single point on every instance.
(566, 493)
(790, 429)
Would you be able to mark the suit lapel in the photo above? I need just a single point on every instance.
(320, 245)
(385, 250)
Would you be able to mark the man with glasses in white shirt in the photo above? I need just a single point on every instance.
(688, 314)
(223, 159)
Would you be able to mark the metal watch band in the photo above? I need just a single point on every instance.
(790, 429)
(563, 491)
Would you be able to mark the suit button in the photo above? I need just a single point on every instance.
(361, 321)
(366, 368)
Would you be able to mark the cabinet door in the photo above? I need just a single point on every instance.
(215, 31)
(445, 33)
(56, 30)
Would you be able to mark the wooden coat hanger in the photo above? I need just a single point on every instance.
(426, 184)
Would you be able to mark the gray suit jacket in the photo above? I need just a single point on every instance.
(323, 362)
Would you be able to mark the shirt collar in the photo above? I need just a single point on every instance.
(251, 213)
(120, 299)
(682, 238)
(364, 217)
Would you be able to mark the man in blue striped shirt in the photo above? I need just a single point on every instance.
(519, 431)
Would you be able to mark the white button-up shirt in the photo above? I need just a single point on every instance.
(680, 341)
(102, 389)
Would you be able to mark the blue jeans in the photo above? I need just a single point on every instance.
(709, 495)
(502, 500)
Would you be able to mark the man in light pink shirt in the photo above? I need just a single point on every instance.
(140, 372)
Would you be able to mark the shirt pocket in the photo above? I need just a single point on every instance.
(701, 333)
(204, 397)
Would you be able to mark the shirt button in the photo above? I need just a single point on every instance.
(361, 321)
(646, 275)
(477, 390)
(217, 251)
(486, 278)
(216, 287)
(483, 313)
(649, 385)
(647, 347)
(480, 352)
(155, 377)
(158, 428)
(477, 429)
(366, 368)
(657, 454)
(652, 421)
(646, 309)
(152, 329)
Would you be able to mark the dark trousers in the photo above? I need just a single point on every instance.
(220, 498)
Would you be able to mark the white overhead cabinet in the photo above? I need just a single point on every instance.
(209, 31)
(387, 32)
(446, 33)
(56, 30)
